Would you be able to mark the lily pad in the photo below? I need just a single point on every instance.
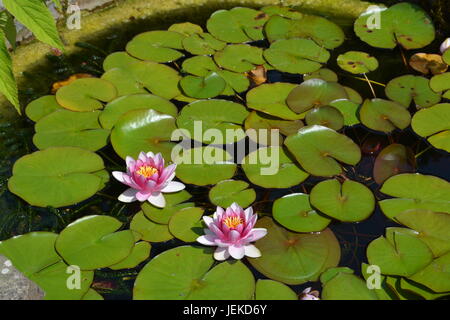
(345, 286)
(149, 230)
(295, 213)
(399, 254)
(392, 160)
(57, 176)
(324, 32)
(143, 129)
(184, 273)
(239, 57)
(64, 128)
(92, 295)
(221, 115)
(199, 65)
(428, 63)
(323, 73)
(93, 242)
(296, 55)
(118, 107)
(209, 86)
(384, 115)
(226, 192)
(446, 56)
(436, 275)
(431, 227)
(86, 94)
(325, 116)
(434, 123)
(384, 292)
(350, 201)
(415, 191)
(202, 44)
(441, 83)
(204, 165)
(357, 62)
(410, 286)
(314, 93)
(271, 99)
(404, 89)
(157, 46)
(348, 109)
(174, 202)
(273, 290)
(41, 107)
(271, 167)
(237, 25)
(139, 253)
(186, 28)
(294, 258)
(186, 224)
(403, 23)
(318, 150)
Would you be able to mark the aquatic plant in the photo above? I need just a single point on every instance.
(173, 97)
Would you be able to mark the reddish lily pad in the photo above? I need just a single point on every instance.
(392, 160)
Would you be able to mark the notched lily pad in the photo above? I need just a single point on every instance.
(149, 230)
(392, 160)
(139, 253)
(441, 83)
(436, 275)
(226, 192)
(186, 224)
(325, 116)
(239, 57)
(348, 109)
(357, 62)
(174, 202)
(42, 107)
(384, 115)
(202, 44)
(206, 87)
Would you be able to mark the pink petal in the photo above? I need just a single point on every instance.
(150, 154)
(128, 195)
(173, 186)
(252, 251)
(158, 200)
(206, 240)
(248, 213)
(208, 220)
(143, 196)
(234, 236)
(143, 157)
(257, 234)
(221, 254)
(130, 161)
(237, 252)
(119, 176)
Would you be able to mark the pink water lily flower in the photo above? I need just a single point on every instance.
(308, 294)
(232, 231)
(148, 179)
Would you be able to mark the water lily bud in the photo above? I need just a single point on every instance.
(307, 294)
(445, 45)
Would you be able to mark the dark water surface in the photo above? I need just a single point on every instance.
(17, 217)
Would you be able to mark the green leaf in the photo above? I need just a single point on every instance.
(325, 116)
(186, 224)
(149, 230)
(139, 253)
(239, 57)
(346, 286)
(93, 242)
(392, 160)
(57, 177)
(8, 85)
(8, 27)
(224, 193)
(273, 290)
(42, 107)
(357, 62)
(206, 87)
(348, 109)
(436, 275)
(384, 115)
(174, 202)
(35, 15)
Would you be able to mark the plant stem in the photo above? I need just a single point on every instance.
(370, 85)
(422, 152)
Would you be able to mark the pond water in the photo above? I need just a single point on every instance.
(17, 217)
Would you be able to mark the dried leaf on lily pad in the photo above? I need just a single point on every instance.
(258, 75)
(428, 62)
(392, 160)
(357, 62)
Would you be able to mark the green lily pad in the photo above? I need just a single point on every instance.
(282, 11)
(237, 25)
(436, 275)
(86, 94)
(325, 116)
(39, 108)
(143, 129)
(357, 62)
(57, 176)
(350, 201)
(446, 56)
(294, 258)
(314, 93)
(236, 82)
(64, 128)
(209, 86)
(159, 79)
(384, 292)
(221, 115)
(224, 193)
(273, 290)
(296, 55)
(199, 65)
(239, 57)
(186, 224)
(353, 95)
(318, 149)
(323, 73)
(403, 23)
(202, 44)
(415, 191)
(404, 89)
(324, 32)
(431, 227)
(392, 160)
(384, 115)
(344, 285)
(270, 98)
(93, 242)
(174, 202)
(186, 28)
(184, 273)
(214, 165)
(399, 254)
(410, 286)
(118, 107)
(92, 295)
(434, 124)
(348, 109)
(157, 46)
(150, 231)
(139, 253)
(271, 167)
(295, 213)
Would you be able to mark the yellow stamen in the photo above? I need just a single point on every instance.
(233, 222)
(147, 171)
